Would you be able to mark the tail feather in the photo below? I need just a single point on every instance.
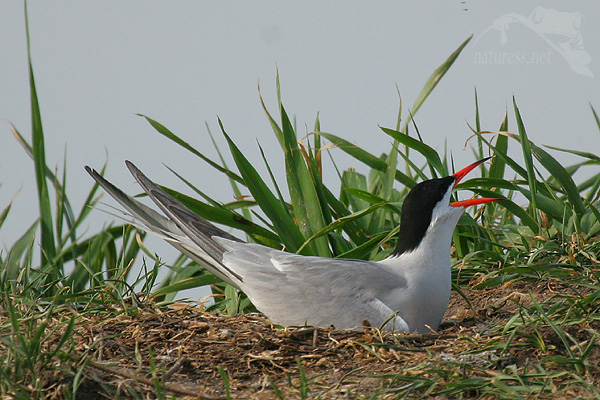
(186, 231)
(153, 220)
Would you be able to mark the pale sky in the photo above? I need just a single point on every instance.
(184, 63)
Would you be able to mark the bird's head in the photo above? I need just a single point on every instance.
(428, 204)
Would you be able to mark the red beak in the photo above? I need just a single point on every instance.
(472, 202)
(461, 174)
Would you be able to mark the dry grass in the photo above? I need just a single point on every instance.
(183, 352)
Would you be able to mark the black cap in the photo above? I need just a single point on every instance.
(417, 210)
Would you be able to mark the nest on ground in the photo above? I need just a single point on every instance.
(186, 352)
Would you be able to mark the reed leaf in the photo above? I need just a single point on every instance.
(273, 208)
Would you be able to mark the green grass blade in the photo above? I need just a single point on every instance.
(545, 203)
(595, 116)
(499, 153)
(270, 171)
(286, 228)
(562, 176)
(385, 189)
(225, 379)
(317, 137)
(276, 129)
(174, 138)
(307, 207)
(528, 158)
(61, 196)
(23, 245)
(477, 120)
(48, 245)
(596, 214)
(508, 204)
(479, 151)
(58, 187)
(433, 80)
(188, 283)
(371, 199)
(64, 337)
(4, 213)
(584, 154)
(338, 223)
(410, 166)
(498, 163)
(207, 198)
(399, 118)
(432, 156)
(548, 205)
(366, 157)
(593, 184)
(314, 162)
(354, 229)
(234, 186)
(353, 180)
(222, 215)
(366, 250)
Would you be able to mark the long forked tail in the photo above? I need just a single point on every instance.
(186, 231)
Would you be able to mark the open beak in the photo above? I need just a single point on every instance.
(459, 176)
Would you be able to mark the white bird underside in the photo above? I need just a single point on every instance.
(410, 291)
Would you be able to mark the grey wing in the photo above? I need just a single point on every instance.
(186, 231)
(295, 290)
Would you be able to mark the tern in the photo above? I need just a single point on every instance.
(408, 291)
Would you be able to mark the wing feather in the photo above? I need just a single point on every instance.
(295, 290)
(180, 230)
